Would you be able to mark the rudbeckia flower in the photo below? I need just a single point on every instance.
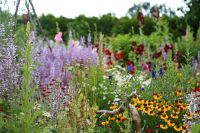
(120, 115)
(141, 101)
(151, 113)
(111, 118)
(112, 107)
(157, 96)
(134, 104)
(170, 123)
(167, 107)
(178, 102)
(118, 120)
(139, 107)
(104, 123)
(164, 116)
(163, 126)
(184, 106)
(178, 128)
(176, 111)
(135, 99)
(155, 106)
(178, 93)
(146, 110)
(187, 115)
(174, 116)
(161, 109)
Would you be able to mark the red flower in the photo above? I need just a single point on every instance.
(96, 46)
(140, 49)
(44, 94)
(99, 125)
(48, 92)
(157, 55)
(1, 109)
(118, 55)
(157, 126)
(148, 130)
(108, 126)
(129, 62)
(196, 90)
(130, 67)
(107, 52)
(178, 54)
(167, 47)
(63, 87)
(44, 89)
(109, 62)
(140, 18)
(51, 83)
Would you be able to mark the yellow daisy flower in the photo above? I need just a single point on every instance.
(157, 96)
(170, 123)
(178, 93)
(176, 111)
(163, 126)
(104, 123)
(151, 113)
(178, 128)
(113, 107)
(167, 107)
(111, 118)
(164, 116)
(174, 116)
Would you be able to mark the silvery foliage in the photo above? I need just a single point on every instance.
(193, 101)
(9, 69)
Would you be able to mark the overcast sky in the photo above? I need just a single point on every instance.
(73, 8)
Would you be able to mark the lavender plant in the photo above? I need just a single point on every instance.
(53, 63)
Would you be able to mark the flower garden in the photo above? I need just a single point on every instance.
(127, 83)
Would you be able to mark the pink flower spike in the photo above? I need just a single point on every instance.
(58, 37)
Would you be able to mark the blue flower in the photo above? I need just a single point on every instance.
(130, 68)
(153, 73)
(161, 72)
(142, 89)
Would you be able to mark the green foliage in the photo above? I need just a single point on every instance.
(187, 44)
(78, 116)
(196, 128)
(192, 15)
(122, 42)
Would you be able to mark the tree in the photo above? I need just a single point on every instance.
(192, 16)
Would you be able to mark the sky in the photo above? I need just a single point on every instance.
(73, 8)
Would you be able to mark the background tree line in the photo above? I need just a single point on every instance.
(110, 25)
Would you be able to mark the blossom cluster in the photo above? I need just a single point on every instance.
(55, 62)
(9, 69)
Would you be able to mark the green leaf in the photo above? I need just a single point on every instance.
(196, 128)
